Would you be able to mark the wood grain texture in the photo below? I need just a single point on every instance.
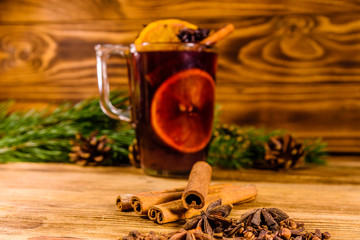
(54, 10)
(293, 65)
(79, 202)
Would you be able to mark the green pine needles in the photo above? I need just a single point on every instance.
(44, 136)
(234, 147)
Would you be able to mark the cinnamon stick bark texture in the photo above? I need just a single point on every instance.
(153, 212)
(218, 35)
(123, 202)
(198, 186)
(143, 201)
(174, 211)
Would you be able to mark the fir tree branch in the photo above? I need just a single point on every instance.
(234, 147)
(315, 151)
(43, 136)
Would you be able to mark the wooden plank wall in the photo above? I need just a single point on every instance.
(290, 64)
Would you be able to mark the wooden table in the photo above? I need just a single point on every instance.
(62, 200)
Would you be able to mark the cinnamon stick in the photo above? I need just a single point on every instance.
(123, 202)
(143, 201)
(174, 210)
(198, 186)
(152, 213)
(218, 35)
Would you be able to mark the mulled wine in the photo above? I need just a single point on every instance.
(172, 99)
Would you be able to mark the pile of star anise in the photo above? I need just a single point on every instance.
(258, 224)
(270, 224)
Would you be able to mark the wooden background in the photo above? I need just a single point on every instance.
(290, 64)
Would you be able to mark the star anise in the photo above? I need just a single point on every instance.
(268, 218)
(212, 220)
(188, 35)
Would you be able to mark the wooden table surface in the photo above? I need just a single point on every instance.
(62, 200)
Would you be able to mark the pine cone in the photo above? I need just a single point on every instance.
(91, 151)
(283, 152)
(134, 154)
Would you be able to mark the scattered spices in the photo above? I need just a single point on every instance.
(177, 235)
(258, 224)
(261, 216)
(194, 234)
(212, 220)
(270, 224)
(136, 235)
(212, 223)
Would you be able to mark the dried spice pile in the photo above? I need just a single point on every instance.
(270, 224)
(184, 203)
(258, 224)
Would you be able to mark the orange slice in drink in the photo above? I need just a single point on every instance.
(164, 30)
(182, 110)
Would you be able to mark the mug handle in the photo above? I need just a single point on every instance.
(103, 52)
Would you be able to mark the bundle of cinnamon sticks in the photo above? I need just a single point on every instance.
(183, 203)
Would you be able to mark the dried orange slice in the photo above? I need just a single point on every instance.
(164, 30)
(182, 110)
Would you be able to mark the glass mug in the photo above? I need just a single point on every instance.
(172, 97)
